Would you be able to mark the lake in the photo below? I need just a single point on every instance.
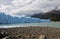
(49, 24)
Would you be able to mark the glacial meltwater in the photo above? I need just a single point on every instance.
(48, 24)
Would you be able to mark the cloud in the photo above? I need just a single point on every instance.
(28, 7)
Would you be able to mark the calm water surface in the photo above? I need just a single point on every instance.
(49, 24)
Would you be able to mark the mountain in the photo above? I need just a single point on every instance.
(53, 15)
(40, 15)
(8, 19)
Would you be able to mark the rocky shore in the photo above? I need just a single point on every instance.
(30, 33)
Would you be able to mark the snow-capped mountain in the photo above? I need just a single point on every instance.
(6, 19)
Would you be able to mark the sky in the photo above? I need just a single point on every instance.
(28, 7)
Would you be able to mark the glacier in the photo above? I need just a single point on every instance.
(8, 19)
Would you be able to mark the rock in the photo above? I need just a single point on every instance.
(3, 34)
(19, 36)
(5, 37)
(42, 37)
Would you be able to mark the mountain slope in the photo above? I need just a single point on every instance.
(53, 15)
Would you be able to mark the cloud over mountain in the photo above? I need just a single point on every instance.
(23, 7)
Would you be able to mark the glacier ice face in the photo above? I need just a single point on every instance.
(7, 19)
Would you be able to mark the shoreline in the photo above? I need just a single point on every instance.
(9, 27)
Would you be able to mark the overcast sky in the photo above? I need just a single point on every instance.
(27, 7)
